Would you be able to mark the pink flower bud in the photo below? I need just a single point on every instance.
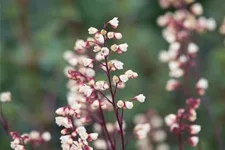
(118, 36)
(194, 129)
(194, 103)
(60, 111)
(131, 74)
(64, 131)
(202, 85)
(172, 84)
(92, 136)
(193, 141)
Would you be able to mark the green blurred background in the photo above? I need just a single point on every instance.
(35, 33)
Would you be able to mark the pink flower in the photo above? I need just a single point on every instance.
(194, 129)
(193, 141)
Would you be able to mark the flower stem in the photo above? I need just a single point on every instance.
(119, 119)
(103, 123)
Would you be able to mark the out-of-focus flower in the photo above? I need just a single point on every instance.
(141, 130)
(193, 141)
(5, 97)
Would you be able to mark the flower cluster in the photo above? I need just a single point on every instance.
(34, 137)
(73, 138)
(222, 28)
(19, 141)
(156, 138)
(88, 98)
(179, 28)
(177, 123)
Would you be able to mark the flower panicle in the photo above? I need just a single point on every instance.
(181, 55)
(89, 97)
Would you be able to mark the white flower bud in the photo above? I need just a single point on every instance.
(34, 135)
(129, 105)
(170, 119)
(83, 135)
(114, 22)
(172, 84)
(118, 36)
(195, 129)
(104, 51)
(88, 62)
(192, 48)
(99, 38)
(79, 45)
(81, 129)
(118, 64)
(197, 9)
(114, 47)
(193, 141)
(63, 121)
(131, 74)
(202, 83)
(46, 136)
(100, 144)
(115, 79)
(123, 47)
(123, 78)
(60, 111)
(93, 136)
(92, 30)
(211, 24)
(177, 73)
(86, 90)
(120, 104)
(101, 85)
(97, 48)
(140, 98)
(110, 35)
(5, 97)
(163, 56)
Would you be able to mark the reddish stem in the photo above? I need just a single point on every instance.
(103, 123)
(119, 119)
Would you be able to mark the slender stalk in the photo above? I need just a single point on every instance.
(103, 123)
(181, 145)
(119, 119)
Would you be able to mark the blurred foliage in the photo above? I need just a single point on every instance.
(35, 33)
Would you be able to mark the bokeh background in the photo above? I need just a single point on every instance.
(35, 33)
